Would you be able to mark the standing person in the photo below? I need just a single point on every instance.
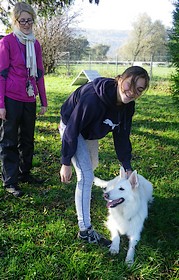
(21, 79)
(91, 112)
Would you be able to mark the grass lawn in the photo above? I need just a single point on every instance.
(38, 231)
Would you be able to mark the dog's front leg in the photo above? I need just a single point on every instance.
(133, 240)
(114, 248)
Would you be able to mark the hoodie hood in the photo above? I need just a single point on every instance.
(106, 89)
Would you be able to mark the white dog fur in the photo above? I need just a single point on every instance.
(127, 201)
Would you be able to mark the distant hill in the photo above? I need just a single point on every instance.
(112, 38)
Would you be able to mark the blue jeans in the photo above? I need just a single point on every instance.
(84, 161)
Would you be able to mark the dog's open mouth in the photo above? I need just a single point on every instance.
(115, 202)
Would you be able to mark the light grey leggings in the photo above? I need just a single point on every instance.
(84, 161)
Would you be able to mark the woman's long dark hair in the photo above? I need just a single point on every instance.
(135, 72)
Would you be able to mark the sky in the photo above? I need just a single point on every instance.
(120, 14)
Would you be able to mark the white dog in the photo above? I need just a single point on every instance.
(127, 201)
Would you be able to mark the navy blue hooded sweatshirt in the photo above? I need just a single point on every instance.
(92, 111)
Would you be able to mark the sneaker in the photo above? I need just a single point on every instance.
(91, 236)
(28, 178)
(14, 190)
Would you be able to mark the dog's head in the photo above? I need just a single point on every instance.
(122, 190)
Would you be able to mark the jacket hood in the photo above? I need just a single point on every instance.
(106, 89)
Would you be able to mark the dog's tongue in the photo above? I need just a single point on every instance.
(114, 203)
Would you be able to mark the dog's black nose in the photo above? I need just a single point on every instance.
(106, 195)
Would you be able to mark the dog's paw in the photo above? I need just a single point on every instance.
(113, 250)
(129, 261)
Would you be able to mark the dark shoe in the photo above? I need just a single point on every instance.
(91, 236)
(14, 190)
(28, 178)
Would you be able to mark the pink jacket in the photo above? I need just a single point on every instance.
(13, 72)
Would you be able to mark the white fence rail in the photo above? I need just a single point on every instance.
(106, 62)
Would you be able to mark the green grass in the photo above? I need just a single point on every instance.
(38, 231)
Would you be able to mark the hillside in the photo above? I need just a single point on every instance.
(112, 38)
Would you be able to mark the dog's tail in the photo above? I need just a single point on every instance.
(100, 183)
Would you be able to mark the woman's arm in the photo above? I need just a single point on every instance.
(40, 79)
(121, 137)
(4, 66)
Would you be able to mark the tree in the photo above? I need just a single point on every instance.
(157, 42)
(146, 40)
(45, 8)
(98, 52)
(53, 30)
(174, 50)
(78, 48)
(140, 35)
(55, 35)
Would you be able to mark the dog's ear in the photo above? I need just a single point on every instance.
(133, 179)
(122, 173)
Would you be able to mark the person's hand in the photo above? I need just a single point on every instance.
(3, 114)
(43, 110)
(65, 173)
